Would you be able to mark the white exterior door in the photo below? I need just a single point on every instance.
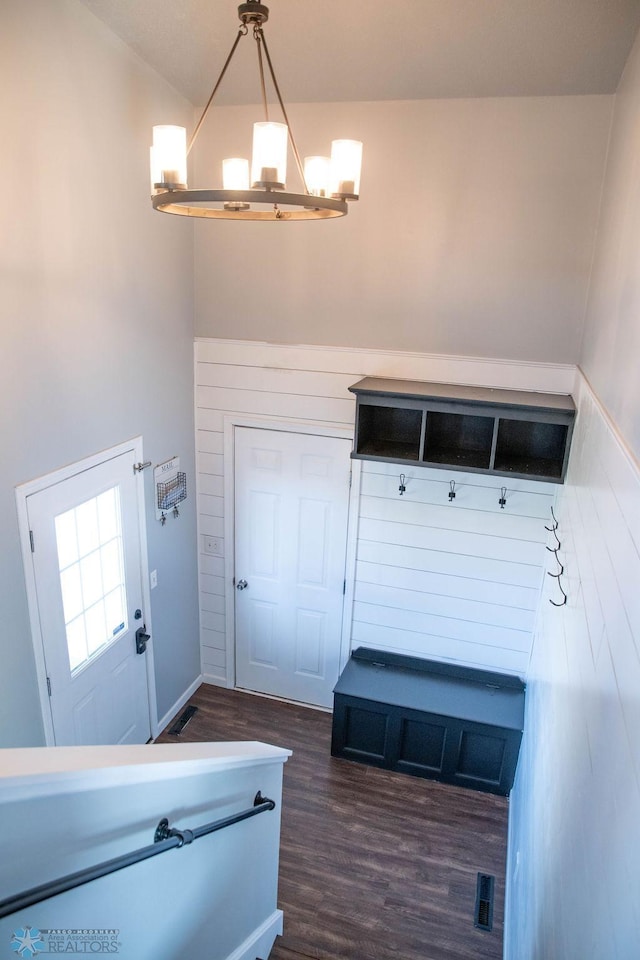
(291, 512)
(86, 554)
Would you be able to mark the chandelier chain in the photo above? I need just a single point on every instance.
(258, 36)
(284, 114)
(242, 32)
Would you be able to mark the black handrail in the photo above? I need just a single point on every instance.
(165, 838)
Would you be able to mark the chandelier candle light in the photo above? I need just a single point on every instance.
(328, 182)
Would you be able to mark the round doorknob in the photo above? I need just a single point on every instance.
(241, 585)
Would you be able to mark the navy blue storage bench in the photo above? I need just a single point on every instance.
(429, 719)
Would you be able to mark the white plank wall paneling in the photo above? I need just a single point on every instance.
(575, 803)
(455, 581)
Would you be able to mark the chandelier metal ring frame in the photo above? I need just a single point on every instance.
(169, 196)
(183, 203)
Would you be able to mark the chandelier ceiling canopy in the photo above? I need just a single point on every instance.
(255, 191)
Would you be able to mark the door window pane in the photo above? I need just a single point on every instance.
(87, 524)
(67, 538)
(90, 558)
(71, 592)
(77, 643)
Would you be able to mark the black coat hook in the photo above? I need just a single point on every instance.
(503, 497)
(452, 490)
(558, 541)
(402, 487)
(564, 598)
(555, 523)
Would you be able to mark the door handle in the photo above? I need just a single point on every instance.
(241, 585)
(141, 639)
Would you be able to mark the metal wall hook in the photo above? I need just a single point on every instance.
(402, 487)
(549, 574)
(452, 490)
(564, 598)
(503, 497)
(555, 523)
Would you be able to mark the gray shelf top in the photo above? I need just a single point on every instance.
(418, 390)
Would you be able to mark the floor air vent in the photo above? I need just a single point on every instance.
(483, 916)
(182, 720)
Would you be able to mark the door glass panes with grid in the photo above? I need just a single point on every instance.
(90, 557)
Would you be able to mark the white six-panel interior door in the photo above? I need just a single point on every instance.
(291, 521)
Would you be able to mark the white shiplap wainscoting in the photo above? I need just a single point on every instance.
(456, 580)
(572, 877)
(459, 584)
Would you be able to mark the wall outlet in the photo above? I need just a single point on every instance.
(213, 545)
(153, 579)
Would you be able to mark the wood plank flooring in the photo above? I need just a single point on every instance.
(374, 865)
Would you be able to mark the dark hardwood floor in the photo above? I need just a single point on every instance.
(374, 865)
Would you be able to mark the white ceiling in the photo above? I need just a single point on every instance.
(327, 50)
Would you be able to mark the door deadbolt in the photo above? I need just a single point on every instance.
(241, 585)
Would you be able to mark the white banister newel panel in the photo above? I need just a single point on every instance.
(72, 808)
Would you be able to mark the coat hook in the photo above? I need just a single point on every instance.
(558, 541)
(402, 487)
(503, 497)
(555, 523)
(452, 490)
(560, 572)
(564, 598)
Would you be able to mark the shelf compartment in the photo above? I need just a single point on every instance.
(459, 427)
(462, 440)
(529, 447)
(391, 432)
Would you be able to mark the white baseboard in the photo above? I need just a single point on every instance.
(180, 702)
(260, 942)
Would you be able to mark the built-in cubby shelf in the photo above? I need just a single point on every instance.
(506, 432)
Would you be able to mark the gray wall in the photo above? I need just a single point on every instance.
(474, 234)
(95, 310)
(576, 802)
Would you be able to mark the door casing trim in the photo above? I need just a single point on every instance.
(25, 490)
(316, 429)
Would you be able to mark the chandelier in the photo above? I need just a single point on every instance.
(328, 182)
